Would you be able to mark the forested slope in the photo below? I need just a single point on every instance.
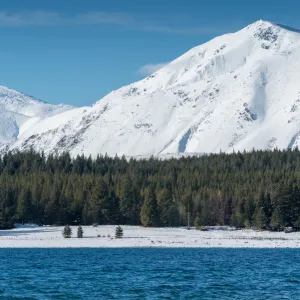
(260, 188)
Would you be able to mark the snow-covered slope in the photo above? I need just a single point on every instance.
(14, 101)
(238, 91)
(17, 110)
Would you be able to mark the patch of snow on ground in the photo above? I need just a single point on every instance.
(135, 236)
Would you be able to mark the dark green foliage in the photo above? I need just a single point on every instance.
(149, 214)
(165, 204)
(24, 208)
(297, 223)
(7, 207)
(238, 217)
(79, 232)
(260, 188)
(249, 209)
(67, 232)
(197, 223)
(277, 222)
(98, 201)
(119, 232)
(260, 219)
(130, 201)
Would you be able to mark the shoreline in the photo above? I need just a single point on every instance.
(145, 237)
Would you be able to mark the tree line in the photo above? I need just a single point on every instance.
(258, 188)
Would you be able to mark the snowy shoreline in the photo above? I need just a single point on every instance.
(140, 237)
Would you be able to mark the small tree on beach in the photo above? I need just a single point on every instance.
(80, 232)
(119, 232)
(67, 232)
(197, 222)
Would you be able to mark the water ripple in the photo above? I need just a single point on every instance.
(149, 274)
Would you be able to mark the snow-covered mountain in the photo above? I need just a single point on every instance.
(18, 110)
(238, 91)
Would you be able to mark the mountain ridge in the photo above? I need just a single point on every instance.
(236, 92)
(17, 108)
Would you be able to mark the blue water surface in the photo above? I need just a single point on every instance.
(149, 274)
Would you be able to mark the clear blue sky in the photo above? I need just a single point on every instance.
(76, 51)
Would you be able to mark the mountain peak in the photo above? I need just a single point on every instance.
(263, 25)
(13, 101)
(8, 94)
(270, 32)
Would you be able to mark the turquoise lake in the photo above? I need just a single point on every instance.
(149, 274)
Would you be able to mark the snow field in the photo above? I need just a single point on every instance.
(135, 236)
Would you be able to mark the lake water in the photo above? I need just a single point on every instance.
(149, 274)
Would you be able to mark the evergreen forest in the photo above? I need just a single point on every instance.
(255, 189)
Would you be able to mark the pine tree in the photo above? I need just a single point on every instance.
(67, 232)
(173, 216)
(276, 220)
(130, 201)
(149, 214)
(197, 222)
(297, 223)
(52, 210)
(24, 208)
(119, 232)
(165, 202)
(111, 209)
(238, 218)
(79, 232)
(267, 206)
(7, 209)
(249, 210)
(98, 200)
(260, 219)
(284, 203)
(295, 205)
